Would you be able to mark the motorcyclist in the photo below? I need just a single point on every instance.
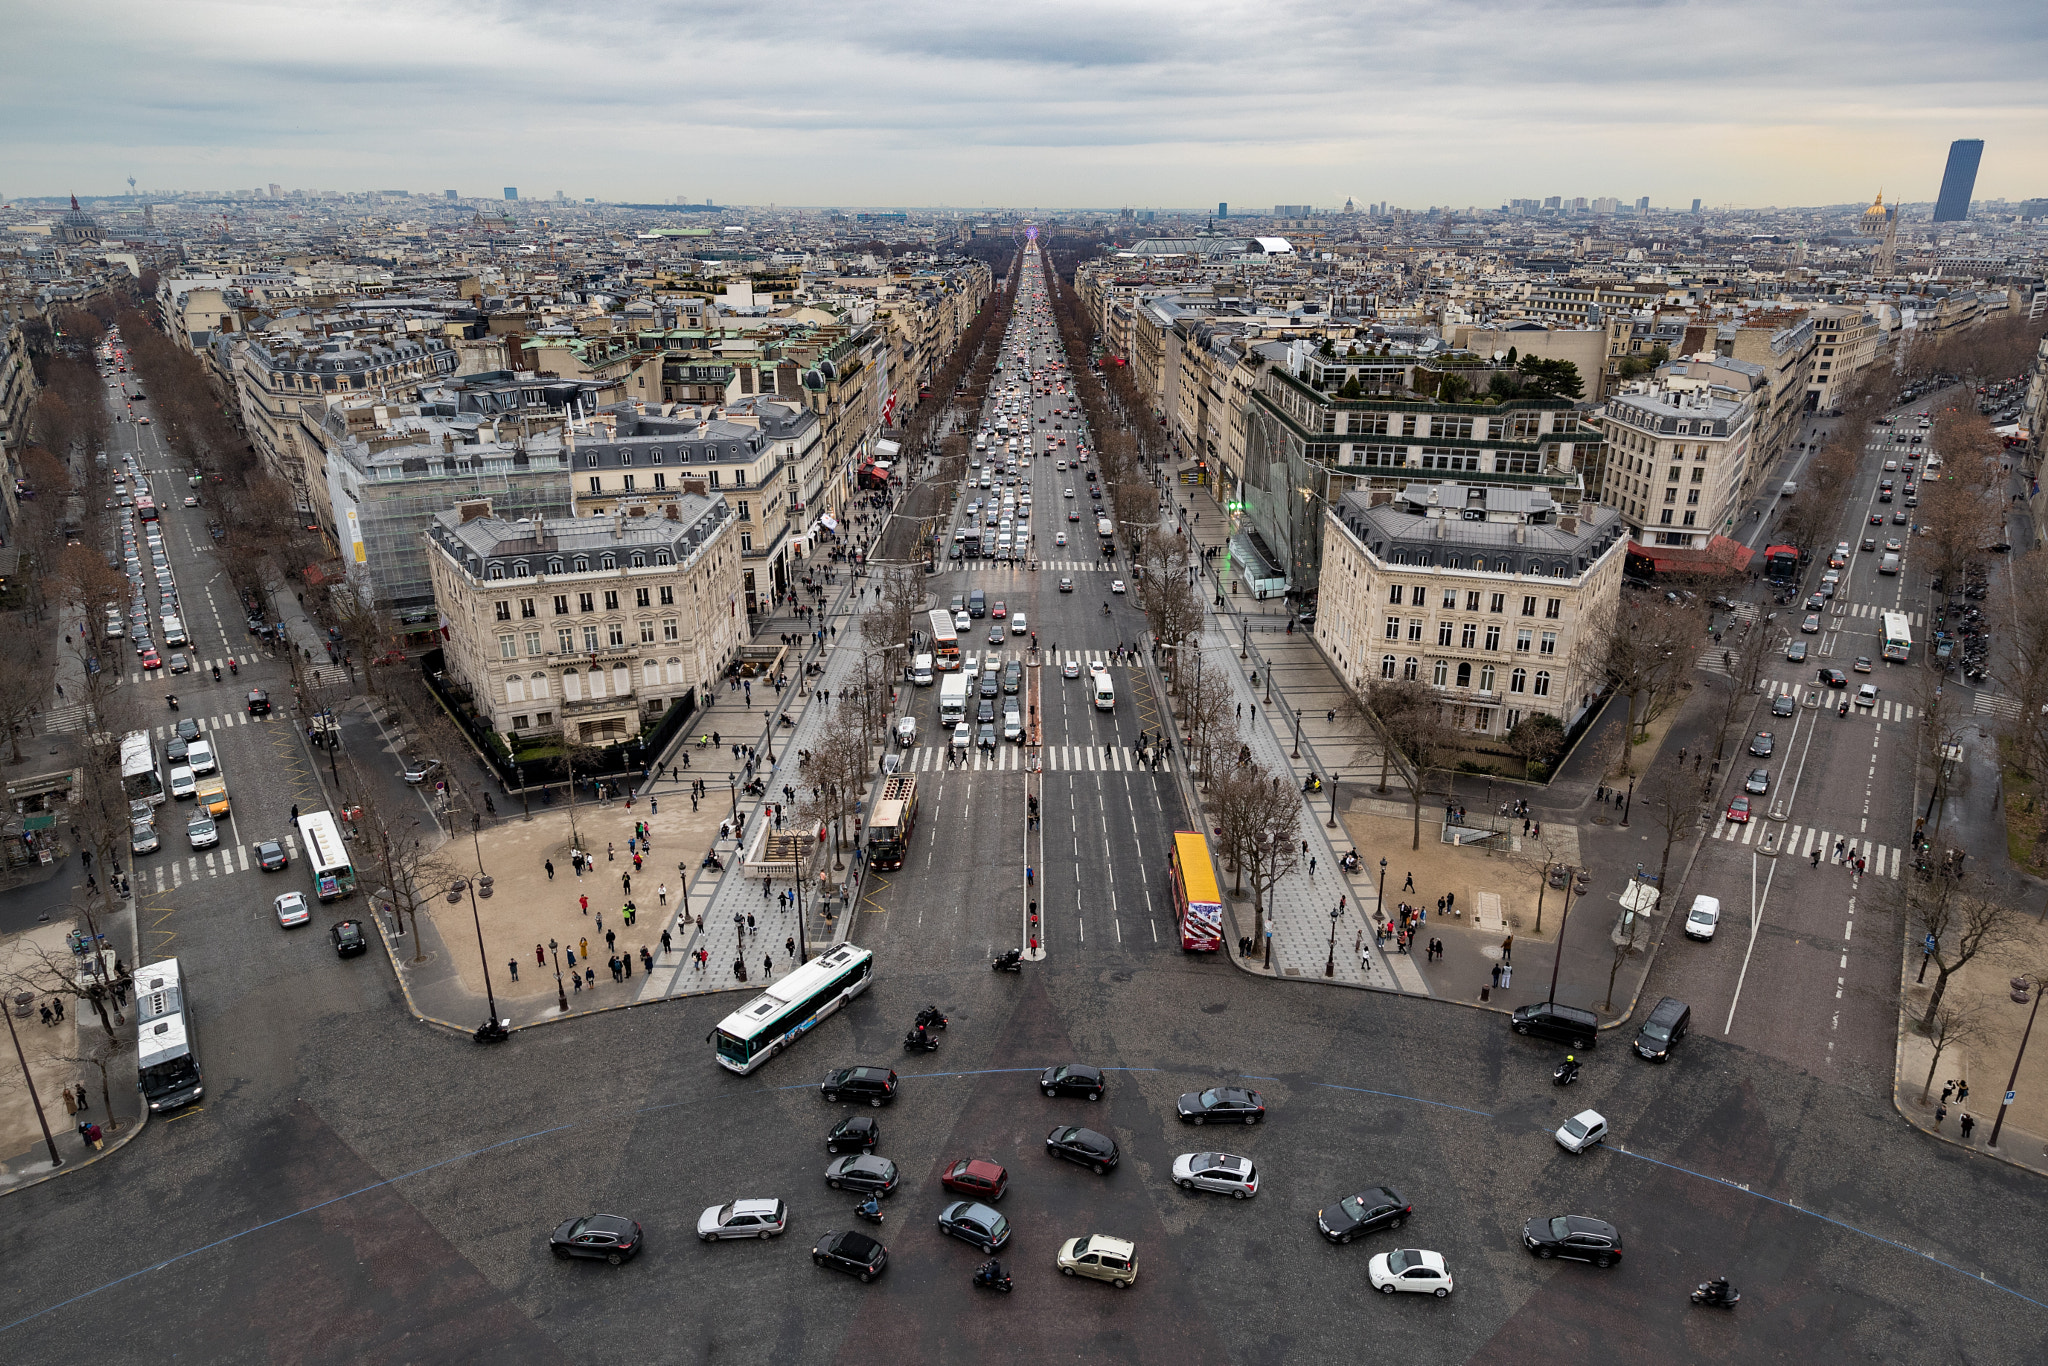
(1717, 1290)
(870, 1206)
(172, 698)
(1571, 1065)
(989, 1271)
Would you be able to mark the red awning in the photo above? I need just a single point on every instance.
(1721, 556)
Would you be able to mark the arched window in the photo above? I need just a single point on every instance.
(1543, 682)
(1386, 666)
(537, 685)
(1464, 674)
(572, 685)
(1518, 681)
(1442, 673)
(1408, 668)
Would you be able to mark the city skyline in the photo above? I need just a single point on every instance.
(1474, 104)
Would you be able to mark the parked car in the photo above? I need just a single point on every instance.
(855, 1133)
(1084, 1146)
(1223, 1105)
(1582, 1131)
(981, 1177)
(1224, 1173)
(1575, 1236)
(973, 1222)
(1073, 1079)
(763, 1218)
(1411, 1269)
(607, 1237)
(1099, 1257)
(852, 1252)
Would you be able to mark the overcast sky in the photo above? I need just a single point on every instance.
(1183, 104)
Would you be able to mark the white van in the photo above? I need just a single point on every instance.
(1704, 917)
(921, 670)
(1105, 693)
(1889, 564)
(183, 783)
(174, 631)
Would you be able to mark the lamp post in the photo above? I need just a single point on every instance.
(1628, 801)
(1556, 958)
(525, 800)
(1383, 887)
(2020, 985)
(455, 891)
(732, 783)
(561, 996)
(29, 1080)
(1330, 964)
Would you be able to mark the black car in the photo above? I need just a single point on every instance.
(349, 939)
(271, 857)
(1781, 706)
(1550, 1020)
(875, 1085)
(990, 686)
(1085, 1146)
(1574, 1236)
(858, 1255)
(1762, 743)
(608, 1236)
(1072, 1079)
(861, 1172)
(259, 702)
(188, 730)
(1368, 1211)
(854, 1134)
(175, 749)
(1834, 678)
(1223, 1104)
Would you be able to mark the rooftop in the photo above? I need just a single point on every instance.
(1478, 527)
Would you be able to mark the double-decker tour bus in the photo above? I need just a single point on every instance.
(1197, 898)
(945, 641)
(894, 821)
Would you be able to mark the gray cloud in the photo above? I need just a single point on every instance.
(1462, 101)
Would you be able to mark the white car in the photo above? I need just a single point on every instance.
(1060, 538)
(1866, 696)
(1096, 666)
(743, 1219)
(1071, 669)
(1223, 1173)
(1581, 1131)
(1410, 1268)
(292, 909)
(963, 737)
(1070, 493)
(962, 622)
(1116, 585)
(1018, 626)
(199, 755)
(1704, 919)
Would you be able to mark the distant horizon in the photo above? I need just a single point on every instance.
(1743, 102)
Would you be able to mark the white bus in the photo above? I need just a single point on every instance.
(786, 1011)
(1898, 636)
(334, 876)
(141, 779)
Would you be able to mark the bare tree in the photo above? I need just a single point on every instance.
(1413, 731)
(1260, 813)
(1952, 1024)
(24, 684)
(899, 603)
(1649, 653)
(1961, 926)
(833, 778)
(2025, 648)
(1165, 589)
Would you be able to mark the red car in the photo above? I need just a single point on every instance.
(977, 1176)
(150, 660)
(1738, 810)
(999, 611)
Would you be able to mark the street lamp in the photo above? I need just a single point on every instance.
(1330, 965)
(1556, 958)
(561, 996)
(2020, 986)
(1383, 886)
(525, 799)
(482, 886)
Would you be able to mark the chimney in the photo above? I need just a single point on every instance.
(619, 525)
(447, 443)
(672, 512)
(473, 508)
(1568, 525)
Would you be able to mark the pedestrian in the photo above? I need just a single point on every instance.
(1409, 885)
(584, 945)
(84, 1106)
(610, 852)
(1311, 865)
(70, 1101)
(1968, 1123)
(750, 922)
(1496, 976)
(576, 980)
(739, 969)
(662, 892)
(540, 959)
(1940, 1114)
(613, 964)
(90, 1132)
(626, 882)
(703, 956)
(611, 939)
(789, 946)
(1816, 858)
(584, 902)
(514, 964)
(1962, 1086)
(1948, 1090)
(590, 978)
(1450, 901)
(551, 870)
(666, 944)
(48, 1019)
(636, 860)
(646, 959)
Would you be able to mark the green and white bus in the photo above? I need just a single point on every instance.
(786, 1011)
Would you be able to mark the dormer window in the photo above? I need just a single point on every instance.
(582, 564)
(554, 566)
(608, 562)
(657, 456)
(638, 561)
(520, 571)
(590, 461)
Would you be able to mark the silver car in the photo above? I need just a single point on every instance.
(743, 1219)
(861, 1172)
(1223, 1173)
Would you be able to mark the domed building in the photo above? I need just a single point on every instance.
(79, 228)
(1877, 219)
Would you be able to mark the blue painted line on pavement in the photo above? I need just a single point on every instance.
(1741, 1189)
(281, 1219)
(1396, 1095)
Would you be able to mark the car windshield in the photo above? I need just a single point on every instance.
(1657, 1032)
(1400, 1260)
(1353, 1206)
(1559, 1228)
(1574, 1128)
(1212, 1096)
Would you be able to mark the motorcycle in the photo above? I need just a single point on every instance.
(172, 698)
(930, 1016)
(493, 1031)
(216, 673)
(1013, 961)
(920, 1040)
(1843, 709)
(869, 1209)
(1565, 1073)
(234, 668)
(991, 1274)
(1717, 1293)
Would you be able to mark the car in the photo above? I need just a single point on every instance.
(142, 838)
(999, 611)
(1704, 918)
(1066, 585)
(1019, 625)
(1578, 1237)
(956, 553)
(1581, 1131)
(1224, 1173)
(1099, 1257)
(188, 729)
(199, 755)
(1738, 811)
(1072, 1079)
(979, 1176)
(852, 1252)
(855, 1133)
(1862, 664)
(1060, 538)
(1116, 585)
(861, 1172)
(1762, 743)
(1097, 1152)
(177, 751)
(1223, 1104)
(179, 664)
(1073, 514)
(973, 1222)
(1894, 545)
(191, 500)
(1811, 624)
(292, 910)
(150, 659)
(1899, 519)
(1816, 602)
(419, 770)
(875, 1085)
(1870, 542)
(1834, 678)
(963, 738)
(271, 857)
(1782, 706)
(1877, 519)
(1410, 1268)
(1372, 1209)
(349, 938)
(962, 622)
(1866, 696)
(1071, 669)
(608, 1237)
(995, 635)
(1758, 782)
(201, 831)
(986, 735)
(1795, 651)
(762, 1218)
(258, 702)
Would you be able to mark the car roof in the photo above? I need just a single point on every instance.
(854, 1243)
(1102, 1242)
(756, 1206)
(608, 1223)
(1585, 1223)
(983, 1166)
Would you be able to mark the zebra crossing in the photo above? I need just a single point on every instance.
(1801, 841)
(1056, 758)
(1020, 566)
(171, 873)
(225, 721)
(1989, 704)
(1885, 710)
(1866, 609)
